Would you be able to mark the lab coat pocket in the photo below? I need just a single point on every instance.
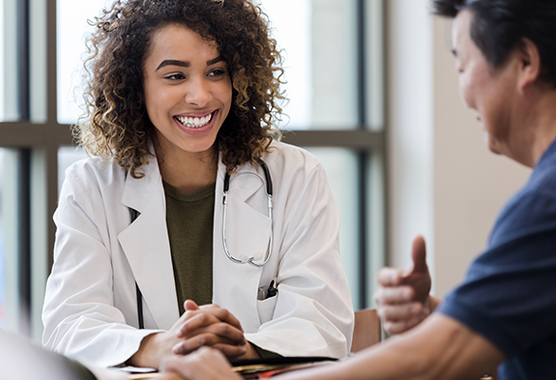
(247, 231)
(266, 308)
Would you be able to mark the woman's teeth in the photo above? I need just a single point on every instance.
(195, 122)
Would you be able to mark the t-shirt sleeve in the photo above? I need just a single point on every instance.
(509, 294)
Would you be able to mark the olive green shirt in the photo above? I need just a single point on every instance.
(189, 218)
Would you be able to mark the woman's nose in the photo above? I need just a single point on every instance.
(198, 93)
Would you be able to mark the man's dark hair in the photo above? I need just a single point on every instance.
(498, 26)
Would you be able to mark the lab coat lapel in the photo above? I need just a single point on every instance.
(251, 230)
(147, 248)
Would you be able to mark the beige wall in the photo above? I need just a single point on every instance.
(443, 183)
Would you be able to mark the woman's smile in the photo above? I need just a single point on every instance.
(196, 125)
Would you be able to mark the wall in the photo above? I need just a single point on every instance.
(444, 183)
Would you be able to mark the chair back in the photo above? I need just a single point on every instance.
(366, 330)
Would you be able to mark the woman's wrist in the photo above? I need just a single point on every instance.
(150, 352)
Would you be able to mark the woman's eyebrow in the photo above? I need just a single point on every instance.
(175, 62)
(214, 60)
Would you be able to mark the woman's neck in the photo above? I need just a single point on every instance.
(186, 171)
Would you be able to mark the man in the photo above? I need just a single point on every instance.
(504, 314)
(519, 123)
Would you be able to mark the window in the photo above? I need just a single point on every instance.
(72, 28)
(333, 55)
(2, 248)
(2, 72)
(29, 140)
(2, 245)
(333, 69)
(10, 287)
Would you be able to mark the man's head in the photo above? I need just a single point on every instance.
(506, 61)
(499, 25)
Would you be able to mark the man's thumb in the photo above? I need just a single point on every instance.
(419, 255)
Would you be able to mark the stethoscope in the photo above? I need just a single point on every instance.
(251, 260)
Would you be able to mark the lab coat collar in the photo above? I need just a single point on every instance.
(149, 253)
(248, 231)
(138, 192)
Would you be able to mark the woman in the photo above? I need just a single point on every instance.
(183, 94)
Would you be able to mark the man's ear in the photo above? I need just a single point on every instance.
(530, 62)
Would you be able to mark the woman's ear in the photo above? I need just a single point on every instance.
(530, 62)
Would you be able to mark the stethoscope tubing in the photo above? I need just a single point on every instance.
(270, 206)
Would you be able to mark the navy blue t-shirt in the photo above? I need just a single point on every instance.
(509, 294)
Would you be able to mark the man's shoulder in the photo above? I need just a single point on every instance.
(532, 210)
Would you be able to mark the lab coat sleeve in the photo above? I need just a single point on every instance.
(79, 317)
(313, 313)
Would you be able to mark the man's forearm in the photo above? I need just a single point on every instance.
(438, 348)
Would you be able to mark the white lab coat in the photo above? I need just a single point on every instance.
(90, 308)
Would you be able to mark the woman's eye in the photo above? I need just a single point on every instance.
(217, 73)
(175, 77)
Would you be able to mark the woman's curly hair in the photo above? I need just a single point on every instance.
(116, 124)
